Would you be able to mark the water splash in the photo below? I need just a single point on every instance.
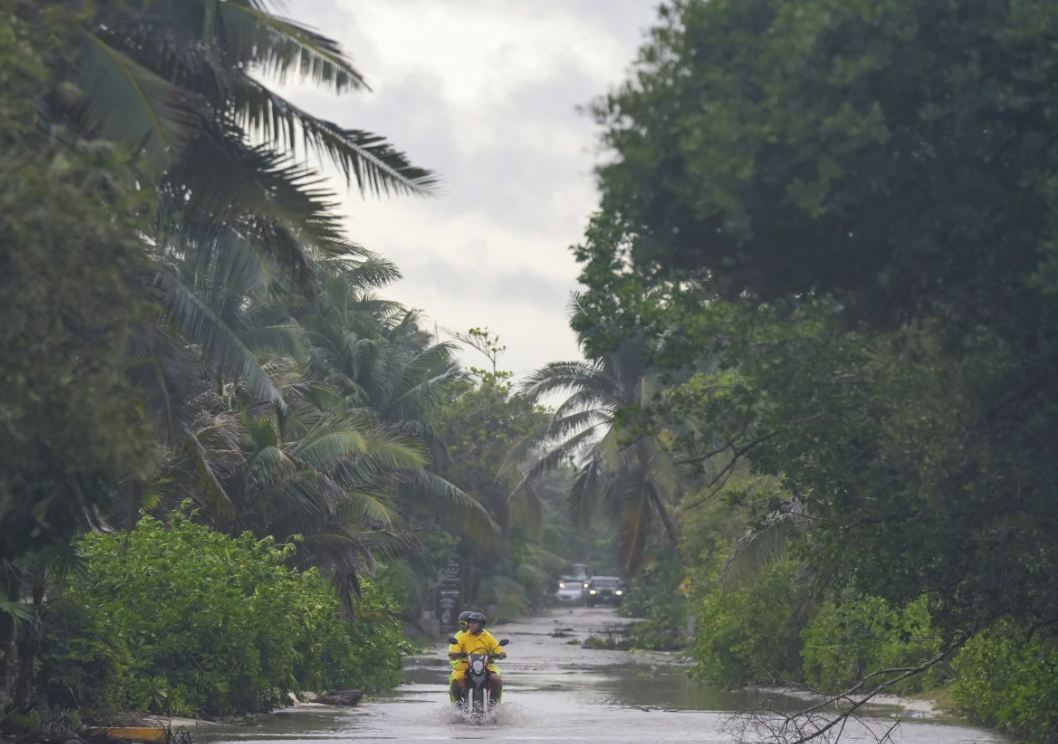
(507, 714)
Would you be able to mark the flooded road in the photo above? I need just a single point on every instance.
(553, 691)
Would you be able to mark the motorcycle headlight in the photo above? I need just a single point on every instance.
(593, 592)
(618, 592)
(561, 585)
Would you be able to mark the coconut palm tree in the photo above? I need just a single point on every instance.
(634, 477)
(376, 355)
(185, 84)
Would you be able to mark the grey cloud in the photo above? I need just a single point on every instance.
(526, 179)
(477, 285)
(509, 180)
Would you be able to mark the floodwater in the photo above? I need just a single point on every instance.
(555, 691)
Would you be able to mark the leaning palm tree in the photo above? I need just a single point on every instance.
(634, 478)
(376, 355)
(327, 476)
(185, 83)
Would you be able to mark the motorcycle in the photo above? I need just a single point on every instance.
(475, 697)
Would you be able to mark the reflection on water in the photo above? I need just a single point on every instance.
(553, 693)
(613, 704)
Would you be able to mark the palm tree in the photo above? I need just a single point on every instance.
(376, 355)
(243, 227)
(222, 165)
(635, 479)
(185, 83)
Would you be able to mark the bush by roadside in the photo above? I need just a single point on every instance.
(1008, 679)
(1005, 677)
(845, 641)
(178, 619)
(751, 634)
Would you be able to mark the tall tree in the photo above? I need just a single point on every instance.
(631, 470)
(852, 204)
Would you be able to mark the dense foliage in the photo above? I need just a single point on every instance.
(834, 223)
(843, 642)
(751, 634)
(1009, 680)
(176, 618)
(183, 318)
(71, 428)
(484, 418)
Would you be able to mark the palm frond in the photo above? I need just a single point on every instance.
(372, 272)
(221, 254)
(586, 491)
(19, 612)
(662, 468)
(531, 508)
(367, 159)
(476, 521)
(635, 519)
(132, 105)
(319, 395)
(557, 377)
(355, 433)
(215, 495)
(283, 49)
(585, 400)
(346, 555)
(377, 507)
(282, 340)
(564, 426)
(557, 455)
(270, 463)
(167, 376)
(226, 179)
(219, 344)
(767, 543)
(297, 497)
(408, 404)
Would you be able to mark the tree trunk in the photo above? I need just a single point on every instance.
(8, 638)
(666, 519)
(655, 498)
(28, 657)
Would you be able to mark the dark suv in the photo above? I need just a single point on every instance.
(605, 590)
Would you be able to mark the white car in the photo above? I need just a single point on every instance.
(570, 590)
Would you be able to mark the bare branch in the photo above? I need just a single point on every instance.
(825, 720)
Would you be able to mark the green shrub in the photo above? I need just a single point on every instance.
(844, 642)
(1009, 681)
(178, 618)
(751, 634)
(653, 598)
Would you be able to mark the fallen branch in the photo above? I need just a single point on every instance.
(767, 725)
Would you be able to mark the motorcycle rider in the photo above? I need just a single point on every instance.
(464, 617)
(476, 640)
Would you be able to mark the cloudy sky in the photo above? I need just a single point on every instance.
(484, 92)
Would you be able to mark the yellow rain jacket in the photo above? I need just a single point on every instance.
(454, 663)
(454, 649)
(484, 642)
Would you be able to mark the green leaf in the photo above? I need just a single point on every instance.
(219, 344)
(132, 105)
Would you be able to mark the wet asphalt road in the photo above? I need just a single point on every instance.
(553, 691)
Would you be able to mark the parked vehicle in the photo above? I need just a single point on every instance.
(605, 590)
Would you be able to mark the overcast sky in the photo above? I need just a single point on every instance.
(485, 93)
